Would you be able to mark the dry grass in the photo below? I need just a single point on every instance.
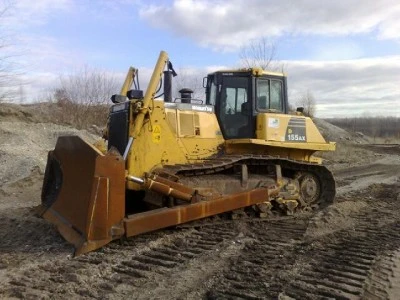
(80, 116)
(61, 113)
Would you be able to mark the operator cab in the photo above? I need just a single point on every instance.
(238, 96)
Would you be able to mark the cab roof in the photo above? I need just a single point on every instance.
(253, 71)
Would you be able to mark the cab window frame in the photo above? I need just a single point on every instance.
(268, 107)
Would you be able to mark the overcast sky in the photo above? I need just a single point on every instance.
(346, 52)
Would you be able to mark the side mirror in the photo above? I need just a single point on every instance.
(118, 98)
(205, 82)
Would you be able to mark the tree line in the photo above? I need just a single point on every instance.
(384, 127)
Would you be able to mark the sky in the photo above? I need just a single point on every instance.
(345, 52)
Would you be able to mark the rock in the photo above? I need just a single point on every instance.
(360, 134)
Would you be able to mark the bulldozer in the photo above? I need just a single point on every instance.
(169, 160)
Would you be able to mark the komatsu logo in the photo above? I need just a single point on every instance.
(202, 108)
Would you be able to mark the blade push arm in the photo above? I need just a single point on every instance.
(150, 92)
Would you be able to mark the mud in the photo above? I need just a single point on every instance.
(349, 250)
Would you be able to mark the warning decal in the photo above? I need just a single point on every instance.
(156, 135)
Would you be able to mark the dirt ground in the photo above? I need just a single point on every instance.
(349, 250)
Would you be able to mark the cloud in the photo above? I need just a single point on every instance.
(25, 48)
(35, 57)
(36, 69)
(229, 24)
(348, 87)
(24, 13)
(342, 88)
(337, 50)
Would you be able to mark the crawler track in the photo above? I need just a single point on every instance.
(258, 164)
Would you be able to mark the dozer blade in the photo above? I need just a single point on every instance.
(84, 194)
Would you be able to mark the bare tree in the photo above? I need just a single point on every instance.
(7, 74)
(376, 127)
(83, 96)
(260, 53)
(191, 80)
(307, 101)
(89, 86)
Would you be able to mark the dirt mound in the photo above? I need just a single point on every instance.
(336, 134)
(24, 142)
(350, 150)
(334, 218)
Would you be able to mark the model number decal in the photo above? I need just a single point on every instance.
(296, 137)
(296, 130)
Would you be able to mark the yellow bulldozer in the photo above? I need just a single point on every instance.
(174, 160)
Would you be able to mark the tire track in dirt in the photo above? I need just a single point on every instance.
(385, 170)
(177, 268)
(146, 266)
(84, 276)
(341, 269)
(258, 271)
(283, 260)
(384, 279)
(343, 265)
(248, 259)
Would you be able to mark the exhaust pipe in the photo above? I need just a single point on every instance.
(168, 86)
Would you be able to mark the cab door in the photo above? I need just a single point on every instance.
(234, 108)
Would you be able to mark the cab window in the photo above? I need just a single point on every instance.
(269, 95)
(276, 95)
(235, 97)
(212, 91)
